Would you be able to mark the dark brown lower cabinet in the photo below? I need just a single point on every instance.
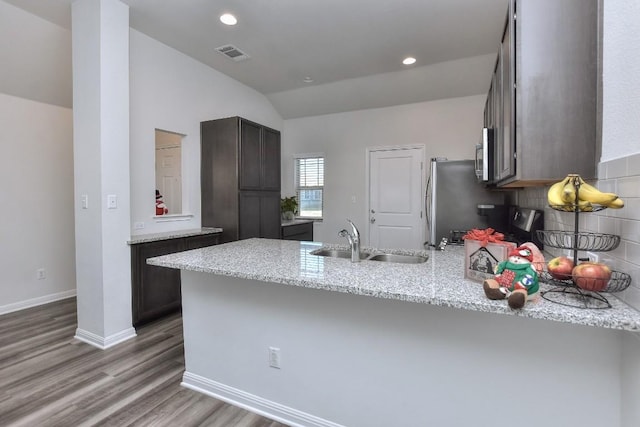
(155, 291)
(303, 232)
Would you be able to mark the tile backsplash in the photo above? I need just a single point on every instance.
(621, 176)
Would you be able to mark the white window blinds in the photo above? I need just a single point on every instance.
(309, 186)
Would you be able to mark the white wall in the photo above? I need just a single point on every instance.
(101, 161)
(621, 141)
(36, 223)
(621, 85)
(36, 57)
(448, 128)
(361, 361)
(173, 92)
(36, 220)
(630, 381)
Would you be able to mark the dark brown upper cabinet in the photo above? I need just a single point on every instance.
(543, 98)
(259, 157)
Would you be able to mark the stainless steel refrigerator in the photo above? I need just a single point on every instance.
(457, 202)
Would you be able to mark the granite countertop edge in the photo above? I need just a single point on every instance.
(438, 282)
(146, 238)
(288, 222)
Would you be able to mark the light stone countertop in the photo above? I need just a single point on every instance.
(439, 281)
(145, 238)
(286, 223)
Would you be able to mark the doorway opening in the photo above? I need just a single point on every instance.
(168, 150)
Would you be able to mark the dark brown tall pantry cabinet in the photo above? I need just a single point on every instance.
(240, 178)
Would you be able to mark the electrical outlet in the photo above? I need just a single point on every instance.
(41, 274)
(138, 225)
(593, 257)
(112, 201)
(274, 357)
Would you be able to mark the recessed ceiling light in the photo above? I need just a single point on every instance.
(228, 19)
(409, 60)
(307, 80)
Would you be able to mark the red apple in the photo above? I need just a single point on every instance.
(591, 276)
(560, 268)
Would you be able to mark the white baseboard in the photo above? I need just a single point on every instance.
(16, 306)
(104, 342)
(253, 403)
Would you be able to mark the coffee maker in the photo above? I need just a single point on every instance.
(496, 216)
(524, 224)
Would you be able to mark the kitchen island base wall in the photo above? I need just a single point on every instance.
(362, 361)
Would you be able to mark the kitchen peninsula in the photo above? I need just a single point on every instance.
(381, 344)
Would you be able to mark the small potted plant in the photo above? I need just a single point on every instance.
(289, 207)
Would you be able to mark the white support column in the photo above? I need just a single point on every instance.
(101, 170)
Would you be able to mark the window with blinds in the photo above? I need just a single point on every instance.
(309, 186)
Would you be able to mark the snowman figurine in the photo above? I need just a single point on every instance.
(161, 208)
(515, 279)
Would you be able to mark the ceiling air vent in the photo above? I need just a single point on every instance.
(232, 52)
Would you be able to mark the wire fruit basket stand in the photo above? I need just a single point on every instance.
(577, 291)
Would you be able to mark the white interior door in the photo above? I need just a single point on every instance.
(395, 198)
(169, 177)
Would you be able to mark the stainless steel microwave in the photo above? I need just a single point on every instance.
(484, 156)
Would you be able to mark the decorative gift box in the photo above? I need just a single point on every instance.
(483, 251)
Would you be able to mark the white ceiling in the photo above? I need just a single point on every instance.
(345, 46)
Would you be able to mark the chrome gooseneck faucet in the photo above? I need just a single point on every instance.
(354, 241)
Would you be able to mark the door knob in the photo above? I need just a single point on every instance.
(372, 211)
(373, 220)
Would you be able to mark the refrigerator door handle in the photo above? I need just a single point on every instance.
(479, 162)
(484, 156)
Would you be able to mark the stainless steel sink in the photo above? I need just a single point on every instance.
(341, 253)
(405, 259)
(337, 253)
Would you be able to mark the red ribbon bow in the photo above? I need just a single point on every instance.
(485, 236)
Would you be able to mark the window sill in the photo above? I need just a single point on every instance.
(174, 217)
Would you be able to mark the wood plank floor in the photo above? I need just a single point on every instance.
(47, 378)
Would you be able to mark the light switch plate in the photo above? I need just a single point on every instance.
(274, 357)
